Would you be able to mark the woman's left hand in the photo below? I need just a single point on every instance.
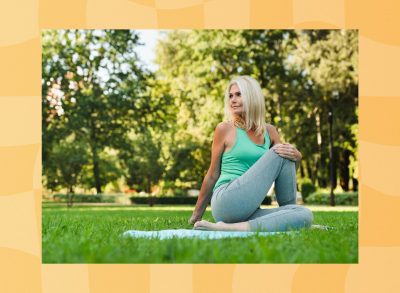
(287, 151)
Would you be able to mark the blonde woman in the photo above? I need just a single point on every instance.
(247, 158)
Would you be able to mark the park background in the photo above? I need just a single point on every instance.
(378, 103)
(115, 134)
(114, 128)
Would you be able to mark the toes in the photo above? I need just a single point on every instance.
(199, 223)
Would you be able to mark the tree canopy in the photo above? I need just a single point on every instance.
(106, 119)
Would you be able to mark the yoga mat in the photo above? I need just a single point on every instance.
(199, 234)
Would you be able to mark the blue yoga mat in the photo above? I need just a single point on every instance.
(199, 234)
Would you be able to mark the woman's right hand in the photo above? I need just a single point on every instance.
(195, 218)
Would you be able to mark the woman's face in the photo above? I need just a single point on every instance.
(235, 100)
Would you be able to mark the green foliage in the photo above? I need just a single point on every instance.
(174, 200)
(84, 198)
(65, 163)
(303, 75)
(324, 66)
(93, 87)
(306, 188)
(154, 127)
(179, 200)
(141, 160)
(343, 198)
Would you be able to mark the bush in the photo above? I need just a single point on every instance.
(307, 188)
(152, 200)
(84, 198)
(344, 198)
(148, 200)
(175, 200)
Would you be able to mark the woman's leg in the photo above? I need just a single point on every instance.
(236, 205)
(284, 218)
(238, 200)
(269, 220)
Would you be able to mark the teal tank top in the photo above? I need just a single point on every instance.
(244, 153)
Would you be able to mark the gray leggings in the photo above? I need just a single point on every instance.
(240, 199)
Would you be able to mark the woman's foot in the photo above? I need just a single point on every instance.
(221, 226)
(320, 227)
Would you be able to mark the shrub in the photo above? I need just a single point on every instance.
(306, 188)
(84, 198)
(343, 198)
(148, 200)
(178, 200)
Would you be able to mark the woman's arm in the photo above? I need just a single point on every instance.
(285, 150)
(213, 172)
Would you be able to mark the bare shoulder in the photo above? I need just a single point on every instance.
(271, 128)
(225, 133)
(224, 128)
(273, 134)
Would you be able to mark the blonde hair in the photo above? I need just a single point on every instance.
(253, 105)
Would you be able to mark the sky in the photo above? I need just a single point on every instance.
(147, 51)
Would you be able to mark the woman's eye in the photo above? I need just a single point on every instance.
(230, 96)
(238, 94)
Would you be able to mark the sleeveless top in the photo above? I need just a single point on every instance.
(243, 154)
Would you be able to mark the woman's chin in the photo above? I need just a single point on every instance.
(238, 114)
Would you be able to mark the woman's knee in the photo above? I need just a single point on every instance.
(304, 214)
(289, 162)
(307, 216)
(228, 214)
(227, 217)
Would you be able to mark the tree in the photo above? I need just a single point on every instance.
(303, 75)
(93, 88)
(329, 60)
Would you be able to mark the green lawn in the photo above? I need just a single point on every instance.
(92, 235)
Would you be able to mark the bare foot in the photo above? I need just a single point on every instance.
(206, 225)
(221, 226)
(320, 227)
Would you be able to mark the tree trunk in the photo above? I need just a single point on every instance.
(320, 166)
(95, 157)
(96, 171)
(70, 197)
(302, 172)
(310, 173)
(344, 171)
(148, 184)
(355, 184)
(335, 166)
(331, 159)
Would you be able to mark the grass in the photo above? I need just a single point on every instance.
(92, 235)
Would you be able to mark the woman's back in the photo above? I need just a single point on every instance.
(241, 152)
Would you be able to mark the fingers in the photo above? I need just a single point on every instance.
(193, 221)
(285, 150)
(287, 157)
(276, 146)
(285, 147)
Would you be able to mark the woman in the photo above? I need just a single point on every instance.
(247, 157)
